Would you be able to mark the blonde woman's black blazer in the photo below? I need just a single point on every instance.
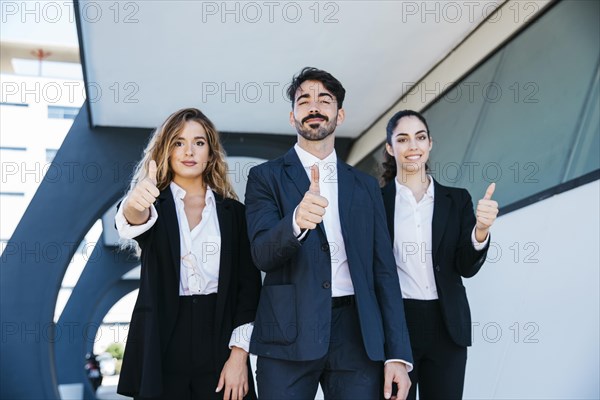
(155, 311)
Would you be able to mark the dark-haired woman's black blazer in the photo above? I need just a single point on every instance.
(155, 311)
(453, 253)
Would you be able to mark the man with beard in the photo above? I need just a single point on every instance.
(331, 309)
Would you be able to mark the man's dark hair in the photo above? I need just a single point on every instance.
(314, 74)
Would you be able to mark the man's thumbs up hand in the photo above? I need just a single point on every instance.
(314, 180)
(311, 209)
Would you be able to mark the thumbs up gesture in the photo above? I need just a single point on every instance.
(311, 209)
(487, 210)
(141, 197)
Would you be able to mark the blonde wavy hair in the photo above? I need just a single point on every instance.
(163, 141)
(159, 149)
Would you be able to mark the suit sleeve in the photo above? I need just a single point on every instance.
(272, 241)
(139, 233)
(387, 286)
(249, 281)
(468, 260)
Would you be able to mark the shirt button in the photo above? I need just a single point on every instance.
(326, 285)
(325, 247)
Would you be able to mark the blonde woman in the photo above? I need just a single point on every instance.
(199, 289)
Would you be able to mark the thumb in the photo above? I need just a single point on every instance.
(221, 383)
(152, 171)
(490, 191)
(387, 387)
(314, 180)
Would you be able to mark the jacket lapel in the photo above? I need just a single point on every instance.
(167, 208)
(345, 192)
(389, 202)
(441, 208)
(225, 216)
(295, 172)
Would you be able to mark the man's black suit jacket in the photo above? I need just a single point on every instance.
(293, 320)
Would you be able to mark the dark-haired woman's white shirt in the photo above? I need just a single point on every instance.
(413, 242)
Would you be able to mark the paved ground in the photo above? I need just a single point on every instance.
(108, 390)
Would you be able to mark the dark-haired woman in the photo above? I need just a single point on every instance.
(437, 240)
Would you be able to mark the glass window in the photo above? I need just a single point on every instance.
(5, 103)
(62, 112)
(528, 117)
(50, 154)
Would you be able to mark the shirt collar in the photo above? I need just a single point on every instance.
(401, 189)
(179, 193)
(308, 160)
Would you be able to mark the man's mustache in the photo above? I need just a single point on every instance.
(315, 116)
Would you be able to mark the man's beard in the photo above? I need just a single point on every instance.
(322, 130)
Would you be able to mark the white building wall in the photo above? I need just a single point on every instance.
(535, 303)
(26, 133)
